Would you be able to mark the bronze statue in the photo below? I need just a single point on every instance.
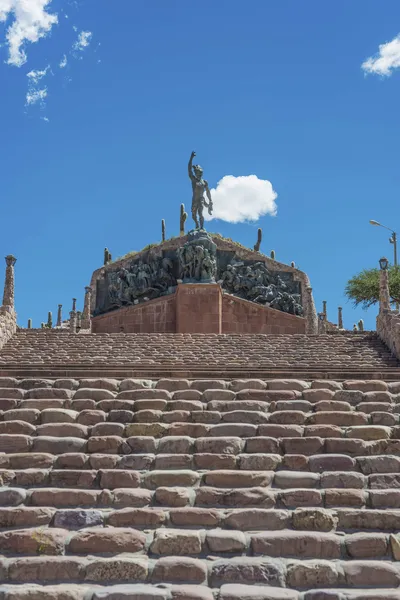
(199, 186)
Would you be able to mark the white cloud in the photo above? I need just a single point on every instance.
(35, 96)
(83, 41)
(240, 199)
(387, 59)
(30, 22)
(64, 61)
(36, 76)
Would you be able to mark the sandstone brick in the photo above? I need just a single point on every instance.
(142, 444)
(137, 462)
(379, 464)
(214, 461)
(352, 396)
(62, 430)
(297, 544)
(137, 517)
(11, 496)
(91, 417)
(248, 384)
(289, 417)
(345, 497)
(154, 430)
(173, 496)
(343, 480)
(176, 542)
(109, 540)
(327, 405)
(257, 518)
(260, 444)
(55, 445)
(294, 462)
(384, 498)
(381, 520)
(190, 394)
(280, 431)
(244, 416)
(107, 444)
(316, 395)
(49, 393)
(205, 384)
(216, 394)
(342, 419)
(221, 541)
(301, 405)
(81, 405)
(112, 479)
(321, 463)
(365, 386)
(22, 517)
(104, 429)
(195, 517)
(132, 498)
(31, 477)
(34, 460)
(173, 461)
(147, 416)
(384, 480)
(17, 427)
(93, 394)
(184, 478)
(12, 392)
(127, 592)
(290, 479)
(255, 496)
(287, 384)
(314, 519)
(323, 431)
(298, 498)
(68, 384)
(176, 445)
(135, 384)
(313, 574)
(259, 462)
(122, 568)
(63, 498)
(306, 445)
(371, 573)
(172, 569)
(12, 443)
(144, 394)
(247, 570)
(71, 460)
(121, 416)
(384, 418)
(45, 569)
(30, 384)
(189, 405)
(33, 541)
(371, 432)
(8, 382)
(353, 447)
(366, 545)
(104, 461)
(182, 416)
(233, 430)
(267, 395)
(237, 479)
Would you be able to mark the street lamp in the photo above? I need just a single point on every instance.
(392, 240)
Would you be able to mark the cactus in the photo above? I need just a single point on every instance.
(49, 321)
(29, 323)
(361, 325)
(107, 256)
(259, 240)
(182, 220)
(163, 230)
(293, 264)
(273, 254)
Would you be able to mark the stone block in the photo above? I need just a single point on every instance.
(297, 544)
(314, 519)
(173, 569)
(109, 540)
(245, 570)
(176, 542)
(122, 568)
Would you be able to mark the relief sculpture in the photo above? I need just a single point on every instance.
(258, 284)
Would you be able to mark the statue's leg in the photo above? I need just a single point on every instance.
(201, 217)
(194, 216)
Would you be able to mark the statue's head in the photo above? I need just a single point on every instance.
(198, 171)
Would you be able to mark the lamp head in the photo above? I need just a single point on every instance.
(383, 263)
(372, 222)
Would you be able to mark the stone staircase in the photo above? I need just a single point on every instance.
(200, 489)
(60, 354)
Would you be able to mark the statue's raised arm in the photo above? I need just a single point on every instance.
(190, 166)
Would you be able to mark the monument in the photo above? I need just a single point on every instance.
(161, 275)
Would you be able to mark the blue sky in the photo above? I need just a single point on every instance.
(271, 89)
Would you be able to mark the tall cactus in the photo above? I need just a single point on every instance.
(163, 230)
(259, 240)
(29, 323)
(182, 220)
(273, 254)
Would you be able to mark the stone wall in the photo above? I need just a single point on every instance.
(8, 324)
(154, 316)
(388, 329)
(242, 316)
(198, 308)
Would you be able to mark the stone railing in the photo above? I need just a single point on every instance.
(388, 329)
(8, 324)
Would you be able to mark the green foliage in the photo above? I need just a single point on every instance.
(363, 288)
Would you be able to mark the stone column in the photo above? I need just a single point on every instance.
(310, 312)
(384, 296)
(86, 316)
(324, 309)
(72, 321)
(59, 315)
(8, 296)
(340, 317)
(74, 304)
(321, 323)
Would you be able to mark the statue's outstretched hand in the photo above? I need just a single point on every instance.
(193, 154)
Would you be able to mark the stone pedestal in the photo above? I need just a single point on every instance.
(8, 296)
(199, 308)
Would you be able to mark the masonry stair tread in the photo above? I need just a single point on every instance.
(199, 489)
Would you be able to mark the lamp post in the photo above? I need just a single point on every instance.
(392, 240)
